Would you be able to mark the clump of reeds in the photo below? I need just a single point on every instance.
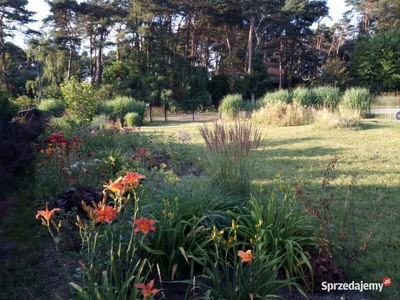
(230, 160)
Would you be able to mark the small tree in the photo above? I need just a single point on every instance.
(81, 102)
(196, 94)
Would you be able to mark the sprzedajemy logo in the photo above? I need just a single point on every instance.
(356, 286)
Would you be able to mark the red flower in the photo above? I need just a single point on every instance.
(132, 178)
(92, 153)
(46, 214)
(105, 214)
(147, 289)
(144, 225)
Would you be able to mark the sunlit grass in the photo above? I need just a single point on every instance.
(300, 155)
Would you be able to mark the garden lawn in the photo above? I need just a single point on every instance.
(301, 154)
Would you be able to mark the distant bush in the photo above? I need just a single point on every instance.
(24, 102)
(7, 108)
(100, 121)
(53, 106)
(81, 101)
(304, 96)
(280, 95)
(327, 96)
(281, 113)
(357, 98)
(231, 105)
(340, 118)
(133, 119)
(121, 106)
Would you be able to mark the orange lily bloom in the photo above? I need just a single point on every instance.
(245, 256)
(105, 214)
(132, 178)
(46, 214)
(116, 187)
(147, 289)
(144, 225)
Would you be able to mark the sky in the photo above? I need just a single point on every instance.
(336, 10)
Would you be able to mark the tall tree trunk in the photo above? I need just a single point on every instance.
(187, 43)
(250, 43)
(207, 52)
(280, 65)
(99, 64)
(91, 56)
(69, 62)
(230, 53)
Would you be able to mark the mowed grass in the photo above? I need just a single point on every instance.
(301, 154)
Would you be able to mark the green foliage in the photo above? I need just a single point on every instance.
(53, 106)
(357, 98)
(198, 197)
(81, 101)
(133, 119)
(175, 235)
(218, 87)
(304, 96)
(117, 71)
(24, 102)
(121, 106)
(327, 96)
(257, 83)
(280, 95)
(52, 92)
(279, 224)
(230, 160)
(375, 62)
(231, 105)
(228, 276)
(7, 109)
(335, 72)
(195, 92)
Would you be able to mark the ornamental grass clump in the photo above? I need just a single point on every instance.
(231, 147)
(230, 106)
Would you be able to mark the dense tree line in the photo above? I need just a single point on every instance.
(178, 52)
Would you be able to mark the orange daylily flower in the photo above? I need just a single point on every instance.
(245, 256)
(144, 225)
(50, 151)
(46, 214)
(116, 186)
(147, 289)
(105, 214)
(132, 178)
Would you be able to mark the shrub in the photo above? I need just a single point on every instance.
(304, 96)
(280, 95)
(231, 105)
(282, 228)
(121, 106)
(7, 108)
(197, 197)
(100, 121)
(53, 106)
(327, 96)
(230, 160)
(280, 113)
(357, 98)
(341, 118)
(133, 119)
(81, 101)
(24, 102)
